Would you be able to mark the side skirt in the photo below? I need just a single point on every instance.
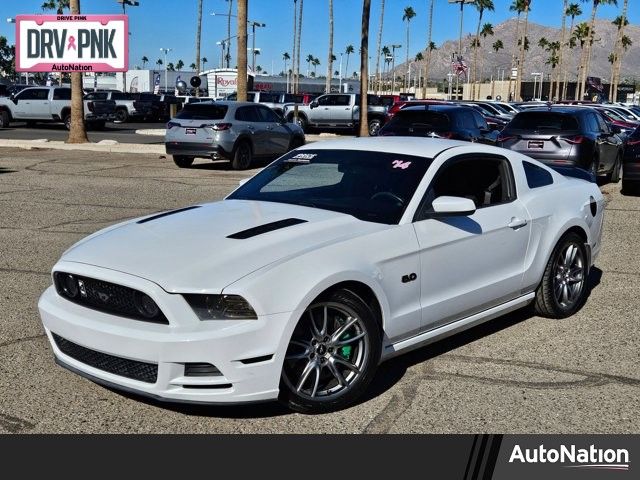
(452, 328)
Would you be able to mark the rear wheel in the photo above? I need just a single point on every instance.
(242, 156)
(563, 288)
(121, 115)
(332, 355)
(301, 122)
(182, 161)
(374, 127)
(67, 121)
(295, 143)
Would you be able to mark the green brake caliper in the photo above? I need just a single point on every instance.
(347, 349)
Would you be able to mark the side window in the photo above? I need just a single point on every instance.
(267, 115)
(342, 100)
(62, 94)
(592, 122)
(536, 176)
(467, 120)
(480, 121)
(324, 100)
(115, 96)
(486, 181)
(34, 94)
(247, 114)
(602, 124)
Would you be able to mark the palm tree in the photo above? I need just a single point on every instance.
(408, 14)
(497, 46)
(481, 5)
(385, 52)
(348, 51)
(77, 132)
(417, 59)
(198, 38)
(563, 34)
(193, 66)
(429, 49)
(315, 62)
(242, 50)
(581, 35)
(586, 64)
(573, 11)
(179, 65)
(145, 60)
(523, 42)
(258, 69)
(171, 67)
(621, 22)
(364, 68)
(518, 7)
(331, 57)
(378, 49)
(309, 61)
(159, 63)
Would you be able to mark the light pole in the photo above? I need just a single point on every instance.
(536, 75)
(166, 71)
(393, 67)
(131, 3)
(253, 25)
(450, 79)
(340, 73)
(13, 20)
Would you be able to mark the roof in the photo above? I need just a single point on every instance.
(433, 108)
(563, 109)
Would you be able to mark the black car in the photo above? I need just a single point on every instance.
(565, 138)
(631, 163)
(440, 121)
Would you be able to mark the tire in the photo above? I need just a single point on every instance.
(296, 142)
(563, 288)
(302, 122)
(67, 121)
(4, 120)
(121, 115)
(614, 175)
(374, 127)
(242, 156)
(182, 161)
(334, 367)
(630, 187)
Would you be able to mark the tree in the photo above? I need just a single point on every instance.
(408, 14)
(581, 35)
(417, 59)
(77, 132)
(348, 51)
(179, 65)
(378, 49)
(429, 49)
(258, 69)
(309, 61)
(364, 68)
(145, 60)
(481, 6)
(586, 61)
(242, 50)
(204, 62)
(620, 22)
(159, 62)
(7, 58)
(331, 57)
(523, 43)
(286, 57)
(563, 33)
(552, 48)
(193, 66)
(171, 67)
(315, 62)
(573, 11)
(386, 53)
(497, 46)
(517, 6)
(198, 38)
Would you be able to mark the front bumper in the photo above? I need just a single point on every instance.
(231, 346)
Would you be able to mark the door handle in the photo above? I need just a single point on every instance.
(516, 223)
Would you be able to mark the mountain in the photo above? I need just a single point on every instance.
(536, 57)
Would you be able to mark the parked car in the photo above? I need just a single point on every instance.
(566, 136)
(618, 119)
(334, 258)
(52, 104)
(154, 107)
(493, 110)
(631, 163)
(440, 121)
(388, 100)
(495, 123)
(124, 103)
(338, 111)
(237, 131)
(396, 107)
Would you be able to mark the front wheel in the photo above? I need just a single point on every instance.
(374, 127)
(563, 288)
(67, 121)
(242, 156)
(332, 355)
(121, 115)
(4, 120)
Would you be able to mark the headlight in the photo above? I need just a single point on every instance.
(221, 307)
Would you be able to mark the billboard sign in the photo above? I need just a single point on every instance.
(72, 43)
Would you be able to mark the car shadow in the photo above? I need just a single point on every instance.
(6, 170)
(225, 165)
(388, 374)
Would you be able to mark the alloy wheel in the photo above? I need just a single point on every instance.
(569, 276)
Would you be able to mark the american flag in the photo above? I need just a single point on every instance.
(459, 66)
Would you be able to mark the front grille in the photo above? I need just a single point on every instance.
(106, 297)
(141, 371)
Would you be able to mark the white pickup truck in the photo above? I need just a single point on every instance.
(52, 104)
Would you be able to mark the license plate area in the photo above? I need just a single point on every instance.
(535, 145)
(190, 131)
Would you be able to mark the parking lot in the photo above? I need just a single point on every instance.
(515, 374)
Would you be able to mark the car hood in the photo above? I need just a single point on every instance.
(190, 250)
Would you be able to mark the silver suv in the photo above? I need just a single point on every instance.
(238, 131)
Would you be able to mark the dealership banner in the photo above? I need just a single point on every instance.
(72, 43)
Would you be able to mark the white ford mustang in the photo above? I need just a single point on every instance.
(337, 256)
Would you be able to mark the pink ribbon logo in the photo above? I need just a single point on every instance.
(72, 43)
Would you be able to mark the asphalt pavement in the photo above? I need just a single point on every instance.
(515, 374)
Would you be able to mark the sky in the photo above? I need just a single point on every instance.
(157, 24)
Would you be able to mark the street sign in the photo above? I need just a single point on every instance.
(72, 43)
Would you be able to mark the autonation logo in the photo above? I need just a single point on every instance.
(573, 457)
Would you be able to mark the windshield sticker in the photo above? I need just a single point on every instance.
(305, 156)
(400, 164)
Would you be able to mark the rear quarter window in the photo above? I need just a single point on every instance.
(536, 176)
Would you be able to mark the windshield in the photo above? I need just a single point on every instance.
(371, 186)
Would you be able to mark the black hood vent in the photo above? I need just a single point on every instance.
(166, 214)
(267, 227)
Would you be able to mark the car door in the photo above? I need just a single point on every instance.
(471, 263)
(22, 101)
(39, 106)
(278, 135)
(251, 123)
(320, 113)
(61, 99)
(607, 144)
(341, 112)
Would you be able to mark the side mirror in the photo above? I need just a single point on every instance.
(313, 104)
(453, 206)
